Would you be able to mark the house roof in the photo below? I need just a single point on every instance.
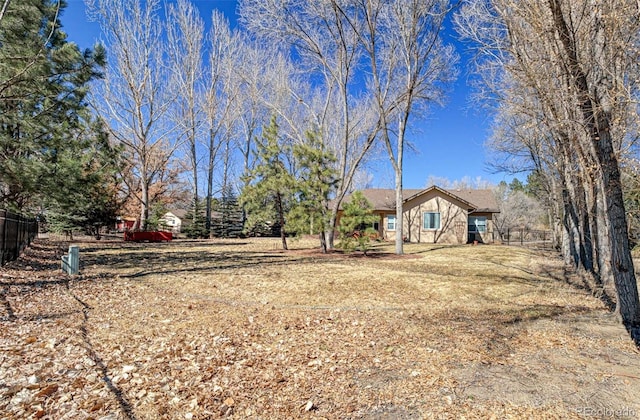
(185, 216)
(483, 200)
(476, 200)
(179, 213)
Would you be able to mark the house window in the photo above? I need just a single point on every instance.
(391, 222)
(430, 221)
(477, 224)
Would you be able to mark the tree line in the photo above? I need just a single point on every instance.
(562, 79)
(170, 86)
(172, 99)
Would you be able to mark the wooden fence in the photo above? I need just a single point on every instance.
(16, 233)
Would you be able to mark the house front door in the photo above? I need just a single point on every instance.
(477, 228)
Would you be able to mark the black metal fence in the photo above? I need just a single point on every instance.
(528, 237)
(16, 233)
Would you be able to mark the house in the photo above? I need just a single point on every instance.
(173, 220)
(435, 215)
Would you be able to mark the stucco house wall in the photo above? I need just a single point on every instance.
(172, 222)
(452, 215)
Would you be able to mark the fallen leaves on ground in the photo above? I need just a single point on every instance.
(239, 329)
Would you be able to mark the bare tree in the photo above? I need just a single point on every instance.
(464, 183)
(326, 44)
(220, 98)
(528, 134)
(255, 70)
(185, 35)
(410, 67)
(133, 98)
(579, 60)
(524, 142)
(517, 209)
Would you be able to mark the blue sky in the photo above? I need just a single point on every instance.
(449, 140)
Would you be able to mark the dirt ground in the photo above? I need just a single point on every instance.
(240, 329)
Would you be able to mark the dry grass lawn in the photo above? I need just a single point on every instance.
(240, 329)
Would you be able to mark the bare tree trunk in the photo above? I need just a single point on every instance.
(331, 230)
(144, 211)
(226, 167)
(5, 4)
(601, 234)
(615, 244)
(323, 242)
(210, 182)
(573, 204)
(618, 259)
(590, 232)
(555, 216)
(571, 234)
(196, 196)
(398, 172)
(582, 205)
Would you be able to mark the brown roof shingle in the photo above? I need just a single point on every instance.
(483, 200)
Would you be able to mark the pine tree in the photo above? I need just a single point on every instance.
(228, 223)
(156, 215)
(268, 195)
(316, 181)
(197, 228)
(355, 226)
(82, 191)
(43, 84)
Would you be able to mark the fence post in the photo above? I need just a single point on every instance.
(16, 249)
(19, 235)
(71, 261)
(74, 259)
(3, 237)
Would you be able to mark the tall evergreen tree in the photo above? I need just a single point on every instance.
(268, 196)
(196, 227)
(356, 224)
(82, 191)
(316, 181)
(43, 83)
(228, 223)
